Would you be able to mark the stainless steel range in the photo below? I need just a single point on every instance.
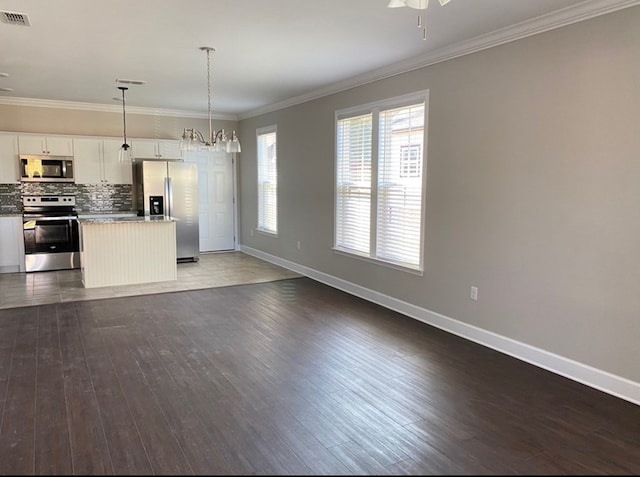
(50, 224)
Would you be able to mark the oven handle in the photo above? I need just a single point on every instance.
(46, 218)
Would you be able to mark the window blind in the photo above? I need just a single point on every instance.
(267, 180)
(399, 187)
(353, 184)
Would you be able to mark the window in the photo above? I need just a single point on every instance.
(267, 180)
(380, 181)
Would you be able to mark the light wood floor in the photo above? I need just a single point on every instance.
(213, 270)
(286, 377)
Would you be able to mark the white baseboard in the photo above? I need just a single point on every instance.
(582, 373)
(10, 269)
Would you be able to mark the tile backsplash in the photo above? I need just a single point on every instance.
(89, 197)
(10, 199)
(104, 197)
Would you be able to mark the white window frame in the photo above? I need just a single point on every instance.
(261, 227)
(374, 108)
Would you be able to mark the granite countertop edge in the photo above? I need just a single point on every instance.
(82, 213)
(106, 213)
(124, 220)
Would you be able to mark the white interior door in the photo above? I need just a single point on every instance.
(216, 204)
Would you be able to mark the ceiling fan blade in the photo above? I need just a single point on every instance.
(417, 4)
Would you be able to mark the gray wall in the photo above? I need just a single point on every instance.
(532, 191)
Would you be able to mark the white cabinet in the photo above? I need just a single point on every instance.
(96, 162)
(115, 172)
(156, 149)
(11, 245)
(9, 162)
(51, 145)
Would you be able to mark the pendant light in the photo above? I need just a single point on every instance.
(193, 140)
(124, 153)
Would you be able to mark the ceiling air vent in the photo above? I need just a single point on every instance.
(13, 18)
(130, 81)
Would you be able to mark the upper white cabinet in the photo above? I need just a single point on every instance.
(156, 149)
(115, 172)
(51, 145)
(96, 162)
(9, 163)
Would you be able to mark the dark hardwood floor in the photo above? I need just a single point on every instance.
(286, 377)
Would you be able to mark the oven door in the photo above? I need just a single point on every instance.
(50, 235)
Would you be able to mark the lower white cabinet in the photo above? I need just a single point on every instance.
(96, 162)
(9, 159)
(11, 244)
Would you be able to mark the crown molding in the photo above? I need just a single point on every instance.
(551, 21)
(111, 108)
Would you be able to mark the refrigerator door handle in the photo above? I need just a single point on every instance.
(168, 193)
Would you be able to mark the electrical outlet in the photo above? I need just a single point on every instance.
(474, 293)
(298, 244)
(252, 232)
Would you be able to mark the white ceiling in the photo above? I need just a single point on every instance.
(268, 52)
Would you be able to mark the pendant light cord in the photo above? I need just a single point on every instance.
(124, 116)
(208, 50)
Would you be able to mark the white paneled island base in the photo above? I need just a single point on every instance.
(125, 251)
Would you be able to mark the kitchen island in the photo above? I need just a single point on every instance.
(127, 250)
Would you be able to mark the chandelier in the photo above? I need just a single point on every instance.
(418, 5)
(193, 140)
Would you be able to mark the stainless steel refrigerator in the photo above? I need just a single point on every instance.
(170, 188)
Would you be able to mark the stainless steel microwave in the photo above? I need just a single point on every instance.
(46, 169)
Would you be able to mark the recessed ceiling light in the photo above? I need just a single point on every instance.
(6, 90)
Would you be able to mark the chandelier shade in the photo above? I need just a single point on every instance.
(194, 140)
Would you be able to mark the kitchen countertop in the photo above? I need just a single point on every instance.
(83, 214)
(116, 213)
(134, 219)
